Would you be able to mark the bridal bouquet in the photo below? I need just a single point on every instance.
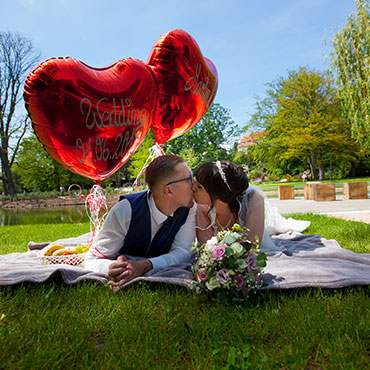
(229, 264)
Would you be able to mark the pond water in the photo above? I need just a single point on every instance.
(43, 216)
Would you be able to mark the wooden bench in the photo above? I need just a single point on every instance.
(355, 190)
(286, 192)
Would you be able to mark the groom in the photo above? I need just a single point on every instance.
(148, 230)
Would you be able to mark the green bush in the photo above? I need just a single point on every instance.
(255, 174)
(341, 170)
(279, 173)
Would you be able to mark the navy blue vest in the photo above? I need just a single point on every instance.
(137, 241)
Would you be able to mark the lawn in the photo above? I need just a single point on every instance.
(87, 326)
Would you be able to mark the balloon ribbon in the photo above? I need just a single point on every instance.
(96, 209)
(154, 152)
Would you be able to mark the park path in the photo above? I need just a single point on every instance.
(354, 209)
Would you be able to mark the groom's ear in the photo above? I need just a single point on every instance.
(167, 190)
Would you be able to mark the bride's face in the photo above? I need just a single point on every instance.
(200, 194)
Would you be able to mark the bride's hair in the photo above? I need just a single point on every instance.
(223, 180)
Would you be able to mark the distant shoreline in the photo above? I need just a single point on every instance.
(55, 203)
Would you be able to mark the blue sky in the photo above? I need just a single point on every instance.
(250, 42)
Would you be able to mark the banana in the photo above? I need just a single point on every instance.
(48, 250)
(60, 252)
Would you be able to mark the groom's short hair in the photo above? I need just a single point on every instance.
(160, 168)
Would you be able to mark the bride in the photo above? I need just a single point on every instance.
(224, 197)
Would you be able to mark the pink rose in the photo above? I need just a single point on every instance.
(218, 252)
(202, 275)
(239, 281)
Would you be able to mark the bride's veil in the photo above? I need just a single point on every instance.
(275, 223)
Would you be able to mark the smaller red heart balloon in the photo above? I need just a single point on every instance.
(187, 84)
(91, 120)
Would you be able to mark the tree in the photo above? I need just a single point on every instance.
(39, 171)
(200, 144)
(17, 56)
(303, 121)
(350, 57)
(206, 140)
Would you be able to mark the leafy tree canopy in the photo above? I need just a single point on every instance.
(206, 141)
(350, 58)
(39, 171)
(302, 120)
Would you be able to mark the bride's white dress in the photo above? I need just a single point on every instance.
(275, 223)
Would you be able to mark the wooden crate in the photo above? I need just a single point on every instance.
(355, 190)
(286, 192)
(323, 192)
(308, 191)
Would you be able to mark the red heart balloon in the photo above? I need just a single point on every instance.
(187, 84)
(91, 120)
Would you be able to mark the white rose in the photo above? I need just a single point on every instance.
(211, 243)
(237, 249)
(212, 283)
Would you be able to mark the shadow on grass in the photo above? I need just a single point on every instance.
(57, 284)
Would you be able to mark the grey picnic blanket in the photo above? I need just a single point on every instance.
(298, 261)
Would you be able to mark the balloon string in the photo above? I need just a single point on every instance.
(96, 209)
(154, 152)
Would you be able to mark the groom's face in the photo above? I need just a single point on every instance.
(181, 186)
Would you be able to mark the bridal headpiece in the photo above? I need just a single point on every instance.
(222, 174)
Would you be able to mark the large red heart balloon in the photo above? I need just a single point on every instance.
(91, 120)
(187, 84)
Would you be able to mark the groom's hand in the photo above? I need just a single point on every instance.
(122, 271)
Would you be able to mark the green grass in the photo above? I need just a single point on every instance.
(350, 235)
(86, 326)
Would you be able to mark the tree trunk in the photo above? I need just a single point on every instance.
(321, 166)
(311, 167)
(312, 163)
(8, 183)
(5, 185)
(17, 57)
(321, 171)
